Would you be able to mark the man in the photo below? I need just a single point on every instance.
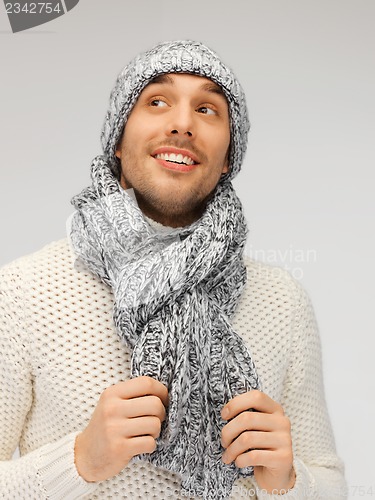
(143, 358)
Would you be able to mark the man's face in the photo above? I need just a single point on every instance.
(175, 147)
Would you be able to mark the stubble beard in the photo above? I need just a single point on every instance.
(175, 209)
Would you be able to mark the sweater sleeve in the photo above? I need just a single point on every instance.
(319, 471)
(48, 471)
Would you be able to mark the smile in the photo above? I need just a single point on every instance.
(175, 158)
(170, 162)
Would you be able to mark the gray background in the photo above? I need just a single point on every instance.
(307, 183)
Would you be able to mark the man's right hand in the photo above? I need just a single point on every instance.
(125, 423)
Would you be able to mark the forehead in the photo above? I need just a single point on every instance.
(199, 83)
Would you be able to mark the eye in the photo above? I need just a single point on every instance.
(157, 103)
(206, 110)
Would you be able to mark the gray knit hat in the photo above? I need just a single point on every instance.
(183, 56)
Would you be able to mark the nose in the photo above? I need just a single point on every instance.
(181, 121)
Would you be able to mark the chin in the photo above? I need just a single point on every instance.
(172, 212)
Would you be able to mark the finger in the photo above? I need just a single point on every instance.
(247, 421)
(142, 406)
(141, 444)
(140, 386)
(266, 458)
(253, 440)
(254, 399)
(142, 426)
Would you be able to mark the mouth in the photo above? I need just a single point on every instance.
(173, 159)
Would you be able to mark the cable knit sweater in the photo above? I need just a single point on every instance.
(59, 350)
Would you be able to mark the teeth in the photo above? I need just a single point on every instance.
(175, 158)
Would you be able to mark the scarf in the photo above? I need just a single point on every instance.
(174, 296)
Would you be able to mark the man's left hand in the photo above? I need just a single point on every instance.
(260, 438)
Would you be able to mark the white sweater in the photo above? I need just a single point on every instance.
(59, 351)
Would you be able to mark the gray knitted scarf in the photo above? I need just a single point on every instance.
(174, 300)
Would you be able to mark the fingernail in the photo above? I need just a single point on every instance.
(225, 413)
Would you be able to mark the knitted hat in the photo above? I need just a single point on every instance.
(184, 56)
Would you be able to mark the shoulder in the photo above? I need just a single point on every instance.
(273, 301)
(22, 282)
(37, 268)
(272, 283)
(46, 285)
(60, 248)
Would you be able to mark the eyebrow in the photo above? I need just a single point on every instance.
(208, 87)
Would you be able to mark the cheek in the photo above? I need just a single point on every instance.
(140, 128)
(221, 150)
(220, 138)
